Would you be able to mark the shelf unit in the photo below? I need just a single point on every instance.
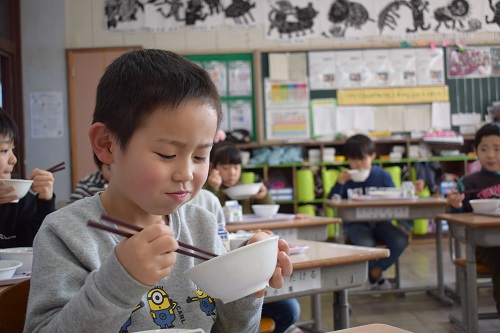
(450, 164)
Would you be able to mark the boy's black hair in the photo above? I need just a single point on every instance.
(139, 82)
(358, 146)
(8, 127)
(225, 153)
(486, 130)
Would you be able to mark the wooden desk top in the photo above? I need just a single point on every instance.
(373, 328)
(293, 223)
(471, 220)
(322, 254)
(346, 203)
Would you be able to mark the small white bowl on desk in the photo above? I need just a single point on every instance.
(268, 210)
(485, 205)
(21, 187)
(8, 268)
(21, 254)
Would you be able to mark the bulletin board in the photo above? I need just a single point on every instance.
(473, 78)
(414, 75)
(233, 75)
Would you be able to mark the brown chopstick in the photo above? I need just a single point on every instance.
(57, 167)
(136, 228)
(128, 234)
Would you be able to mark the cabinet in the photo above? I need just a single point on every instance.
(288, 175)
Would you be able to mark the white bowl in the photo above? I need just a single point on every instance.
(243, 191)
(8, 267)
(359, 175)
(22, 186)
(21, 254)
(265, 210)
(484, 205)
(238, 273)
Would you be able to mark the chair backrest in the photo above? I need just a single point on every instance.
(13, 304)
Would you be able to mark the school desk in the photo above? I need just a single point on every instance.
(473, 230)
(373, 328)
(326, 267)
(398, 209)
(288, 226)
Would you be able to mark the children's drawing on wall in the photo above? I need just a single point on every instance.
(289, 20)
(493, 17)
(344, 14)
(242, 14)
(456, 16)
(165, 15)
(124, 15)
(407, 15)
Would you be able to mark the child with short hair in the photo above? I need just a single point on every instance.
(92, 183)
(487, 183)
(155, 118)
(360, 151)
(226, 172)
(19, 222)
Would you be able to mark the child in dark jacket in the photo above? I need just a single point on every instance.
(487, 183)
(359, 151)
(20, 220)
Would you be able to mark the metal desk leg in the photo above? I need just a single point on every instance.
(439, 293)
(316, 311)
(340, 310)
(471, 273)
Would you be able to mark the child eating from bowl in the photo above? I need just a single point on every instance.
(155, 119)
(20, 221)
(483, 184)
(359, 151)
(225, 172)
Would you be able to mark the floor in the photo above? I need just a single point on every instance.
(416, 312)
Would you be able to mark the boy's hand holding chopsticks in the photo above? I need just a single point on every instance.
(149, 256)
(283, 266)
(43, 183)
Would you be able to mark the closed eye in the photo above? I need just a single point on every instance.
(200, 159)
(166, 157)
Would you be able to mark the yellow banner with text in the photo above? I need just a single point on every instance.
(378, 96)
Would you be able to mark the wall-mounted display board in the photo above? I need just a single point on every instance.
(473, 78)
(303, 88)
(233, 77)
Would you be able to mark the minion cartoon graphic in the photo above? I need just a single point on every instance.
(124, 328)
(161, 308)
(206, 302)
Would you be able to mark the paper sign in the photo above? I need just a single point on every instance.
(399, 212)
(306, 279)
(441, 115)
(460, 119)
(46, 115)
(409, 95)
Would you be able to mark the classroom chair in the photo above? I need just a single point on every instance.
(482, 271)
(13, 304)
(267, 325)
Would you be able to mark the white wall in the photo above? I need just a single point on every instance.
(44, 69)
(51, 26)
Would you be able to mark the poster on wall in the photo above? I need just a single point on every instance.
(240, 78)
(287, 124)
(47, 118)
(495, 61)
(348, 69)
(347, 19)
(430, 66)
(286, 94)
(321, 70)
(218, 73)
(471, 62)
(376, 68)
(240, 115)
(403, 67)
